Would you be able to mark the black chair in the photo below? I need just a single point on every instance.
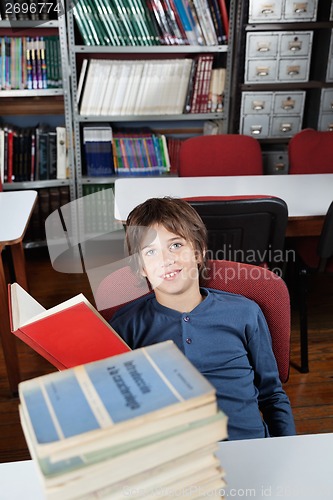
(248, 229)
(314, 255)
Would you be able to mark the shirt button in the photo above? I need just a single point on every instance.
(186, 318)
(189, 341)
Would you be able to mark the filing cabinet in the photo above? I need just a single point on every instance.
(275, 162)
(329, 73)
(278, 11)
(325, 121)
(278, 57)
(272, 114)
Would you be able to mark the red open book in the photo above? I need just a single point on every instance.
(69, 334)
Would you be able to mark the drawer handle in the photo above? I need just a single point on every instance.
(279, 166)
(330, 127)
(300, 10)
(288, 107)
(285, 127)
(294, 47)
(293, 71)
(263, 49)
(256, 130)
(258, 107)
(331, 105)
(267, 11)
(262, 72)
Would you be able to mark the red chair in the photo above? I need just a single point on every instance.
(314, 255)
(311, 152)
(256, 283)
(222, 154)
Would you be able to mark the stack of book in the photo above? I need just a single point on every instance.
(33, 153)
(152, 22)
(124, 153)
(142, 424)
(151, 87)
(30, 63)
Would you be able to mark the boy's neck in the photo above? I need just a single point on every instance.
(183, 302)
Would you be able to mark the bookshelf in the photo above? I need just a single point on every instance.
(283, 79)
(158, 58)
(33, 94)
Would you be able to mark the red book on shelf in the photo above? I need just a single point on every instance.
(69, 334)
(225, 16)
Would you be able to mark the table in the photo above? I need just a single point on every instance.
(294, 468)
(308, 196)
(15, 211)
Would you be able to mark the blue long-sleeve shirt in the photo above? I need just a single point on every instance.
(226, 337)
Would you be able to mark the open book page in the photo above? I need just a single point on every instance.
(23, 306)
(26, 310)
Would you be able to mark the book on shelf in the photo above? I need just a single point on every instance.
(61, 153)
(140, 153)
(133, 87)
(128, 419)
(151, 22)
(97, 143)
(68, 334)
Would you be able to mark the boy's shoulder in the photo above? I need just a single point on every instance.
(133, 307)
(231, 297)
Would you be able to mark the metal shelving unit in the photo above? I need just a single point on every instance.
(77, 50)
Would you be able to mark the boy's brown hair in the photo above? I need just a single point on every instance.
(175, 215)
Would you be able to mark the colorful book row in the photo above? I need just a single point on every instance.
(30, 63)
(152, 22)
(30, 154)
(108, 153)
(150, 87)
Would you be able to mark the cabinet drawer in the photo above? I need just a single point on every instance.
(289, 103)
(261, 45)
(255, 125)
(325, 122)
(300, 11)
(293, 70)
(265, 12)
(329, 72)
(296, 44)
(263, 70)
(326, 100)
(285, 126)
(275, 162)
(256, 103)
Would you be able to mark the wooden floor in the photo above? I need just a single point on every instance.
(311, 394)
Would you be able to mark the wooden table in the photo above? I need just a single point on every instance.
(15, 212)
(308, 196)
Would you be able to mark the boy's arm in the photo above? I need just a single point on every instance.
(273, 401)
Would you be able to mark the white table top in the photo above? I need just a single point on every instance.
(288, 468)
(15, 210)
(305, 195)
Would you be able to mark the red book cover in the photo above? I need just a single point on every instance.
(67, 335)
(225, 16)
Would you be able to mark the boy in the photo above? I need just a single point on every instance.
(224, 335)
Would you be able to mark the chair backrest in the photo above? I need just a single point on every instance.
(267, 289)
(248, 229)
(222, 154)
(311, 152)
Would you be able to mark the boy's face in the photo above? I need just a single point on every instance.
(169, 262)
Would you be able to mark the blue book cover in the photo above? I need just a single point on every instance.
(117, 393)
